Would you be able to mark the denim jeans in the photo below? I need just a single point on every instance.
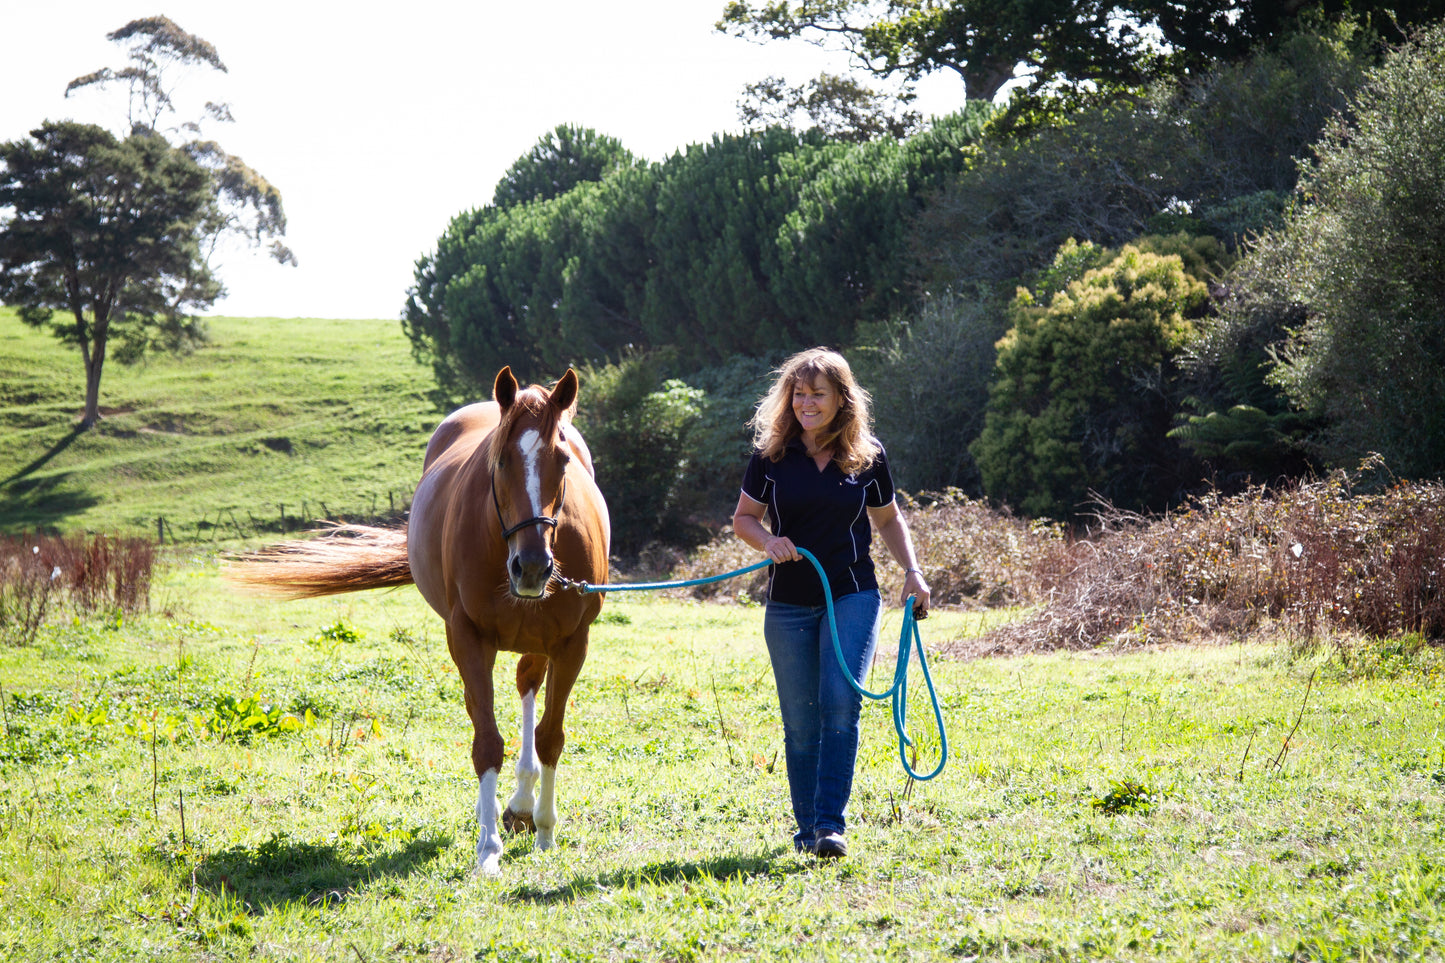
(819, 708)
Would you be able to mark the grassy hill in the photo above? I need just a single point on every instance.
(322, 417)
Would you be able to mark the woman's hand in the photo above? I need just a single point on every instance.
(780, 549)
(748, 526)
(913, 584)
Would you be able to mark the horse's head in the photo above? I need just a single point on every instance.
(528, 459)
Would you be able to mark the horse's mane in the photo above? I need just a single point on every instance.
(533, 401)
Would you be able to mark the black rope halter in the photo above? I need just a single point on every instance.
(549, 520)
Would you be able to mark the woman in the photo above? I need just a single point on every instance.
(815, 470)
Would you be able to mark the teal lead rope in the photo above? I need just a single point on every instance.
(909, 640)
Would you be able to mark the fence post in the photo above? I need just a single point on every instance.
(160, 529)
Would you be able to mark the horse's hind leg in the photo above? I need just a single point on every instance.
(531, 669)
(474, 659)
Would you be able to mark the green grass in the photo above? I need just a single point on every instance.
(270, 412)
(1141, 806)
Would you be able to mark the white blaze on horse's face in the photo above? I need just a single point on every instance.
(529, 561)
(531, 447)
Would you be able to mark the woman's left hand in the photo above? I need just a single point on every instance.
(914, 585)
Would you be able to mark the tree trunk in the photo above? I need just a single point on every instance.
(94, 362)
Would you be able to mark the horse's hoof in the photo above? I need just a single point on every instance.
(514, 822)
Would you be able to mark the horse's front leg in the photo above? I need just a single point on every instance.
(475, 658)
(561, 675)
(531, 670)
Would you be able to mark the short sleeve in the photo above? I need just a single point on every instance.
(879, 492)
(755, 480)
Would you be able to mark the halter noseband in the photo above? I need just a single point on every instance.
(548, 520)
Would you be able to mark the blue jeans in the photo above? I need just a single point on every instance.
(819, 708)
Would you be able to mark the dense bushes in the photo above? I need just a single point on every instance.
(1045, 305)
(749, 244)
(1362, 260)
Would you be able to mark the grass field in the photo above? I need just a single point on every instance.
(228, 777)
(269, 413)
(1192, 803)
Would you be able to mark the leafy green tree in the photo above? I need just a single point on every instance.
(561, 159)
(929, 372)
(719, 209)
(247, 205)
(1052, 44)
(1215, 153)
(984, 42)
(104, 240)
(1362, 255)
(1080, 401)
(1204, 32)
(838, 106)
(537, 286)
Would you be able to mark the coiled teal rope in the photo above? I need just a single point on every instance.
(909, 640)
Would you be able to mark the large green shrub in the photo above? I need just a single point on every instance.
(1079, 403)
(1363, 257)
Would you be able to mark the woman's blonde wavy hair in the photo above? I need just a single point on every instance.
(850, 435)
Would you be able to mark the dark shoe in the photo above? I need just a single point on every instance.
(805, 845)
(830, 845)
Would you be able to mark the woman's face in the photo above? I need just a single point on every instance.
(815, 405)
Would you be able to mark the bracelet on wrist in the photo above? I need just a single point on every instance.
(908, 570)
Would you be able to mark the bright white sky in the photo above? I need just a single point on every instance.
(378, 124)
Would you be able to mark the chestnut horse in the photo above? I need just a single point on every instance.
(505, 510)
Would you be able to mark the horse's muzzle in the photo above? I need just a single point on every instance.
(529, 572)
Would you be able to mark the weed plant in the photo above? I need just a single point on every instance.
(1249, 802)
(40, 574)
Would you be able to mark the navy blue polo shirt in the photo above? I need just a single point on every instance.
(824, 512)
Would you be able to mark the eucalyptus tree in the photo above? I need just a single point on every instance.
(157, 51)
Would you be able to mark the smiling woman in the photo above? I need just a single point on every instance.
(822, 482)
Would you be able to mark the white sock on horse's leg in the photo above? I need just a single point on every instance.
(489, 841)
(546, 814)
(523, 801)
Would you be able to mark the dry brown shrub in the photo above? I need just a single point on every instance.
(1313, 559)
(1310, 560)
(91, 573)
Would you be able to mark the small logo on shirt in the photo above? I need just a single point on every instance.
(851, 479)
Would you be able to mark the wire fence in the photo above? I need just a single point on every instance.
(280, 519)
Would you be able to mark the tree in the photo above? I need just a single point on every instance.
(1080, 403)
(1213, 153)
(1053, 43)
(984, 42)
(840, 107)
(561, 159)
(1362, 258)
(247, 205)
(637, 422)
(108, 233)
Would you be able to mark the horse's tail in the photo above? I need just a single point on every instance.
(343, 558)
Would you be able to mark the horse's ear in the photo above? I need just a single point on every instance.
(564, 394)
(504, 390)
